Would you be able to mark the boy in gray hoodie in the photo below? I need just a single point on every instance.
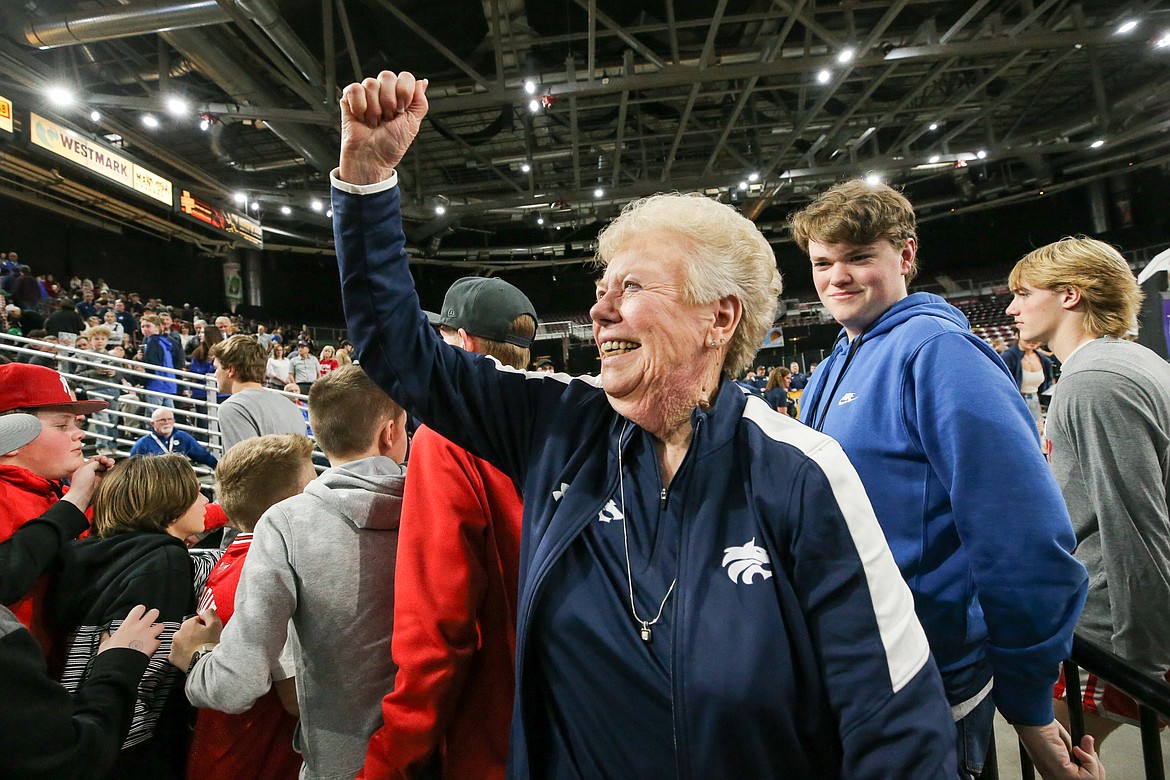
(323, 560)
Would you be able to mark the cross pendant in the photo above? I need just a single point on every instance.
(645, 632)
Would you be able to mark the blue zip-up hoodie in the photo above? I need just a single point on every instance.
(949, 455)
(795, 651)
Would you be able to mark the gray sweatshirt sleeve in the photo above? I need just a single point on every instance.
(1112, 434)
(249, 655)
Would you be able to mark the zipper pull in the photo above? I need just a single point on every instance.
(662, 499)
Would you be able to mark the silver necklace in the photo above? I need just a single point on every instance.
(644, 631)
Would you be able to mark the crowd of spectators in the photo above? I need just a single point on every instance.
(881, 594)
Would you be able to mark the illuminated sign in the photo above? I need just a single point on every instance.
(235, 225)
(5, 114)
(99, 159)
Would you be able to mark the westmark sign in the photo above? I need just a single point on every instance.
(98, 158)
(5, 114)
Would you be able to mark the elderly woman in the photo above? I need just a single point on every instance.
(704, 588)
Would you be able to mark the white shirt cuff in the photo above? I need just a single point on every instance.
(362, 189)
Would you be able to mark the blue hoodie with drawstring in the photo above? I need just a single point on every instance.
(948, 453)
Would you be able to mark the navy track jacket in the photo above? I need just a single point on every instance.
(807, 662)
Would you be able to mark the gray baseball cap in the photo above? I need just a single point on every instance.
(17, 430)
(485, 307)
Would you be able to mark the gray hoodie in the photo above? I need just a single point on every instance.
(323, 560)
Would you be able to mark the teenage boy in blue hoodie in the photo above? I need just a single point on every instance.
(950, 458)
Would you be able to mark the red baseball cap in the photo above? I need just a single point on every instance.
(24, 386)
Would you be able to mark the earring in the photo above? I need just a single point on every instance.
(712, 342)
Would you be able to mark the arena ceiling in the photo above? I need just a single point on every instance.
(547, 117)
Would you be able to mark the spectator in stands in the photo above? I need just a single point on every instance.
(707, 681)
(1109, 428)
(117, 332)
(144, 509)
(165, 439)
(932, 421)
(65, 320)
(202, 363)
(134, 304)
(263, 338)
(759, 378)
(46, 344)
(125, 318)
(86, 307)
(32, 476)
(277, 372)
(225, 325)
(323, 560)
(162, 351)
(346, 346)
(254, 476)
(342, 358)
(776, 391)
(1032, 371)
(12, 320)
(167, 328)
(327, 361)
(251, 410)
(303, 367)
(104, 423)
(544, 366)
(456, 577)
(798, 381)
(25, 292)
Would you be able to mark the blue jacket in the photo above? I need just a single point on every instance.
(949, 455)
(156, 352)
(804, 662)
(1013, 358)
(179, 442)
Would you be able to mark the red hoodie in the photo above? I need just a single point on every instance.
(25, 496)
(454, 638)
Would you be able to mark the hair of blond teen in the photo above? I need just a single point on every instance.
(857, 212)
(728, 256)
(1110, 295)
(260, 472)
(347, 410)
(508, 354)
(144, 493)
(244, 354)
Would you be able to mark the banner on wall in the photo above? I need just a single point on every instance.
(233, 284)
(5, 114)
(100, 159)
(773, 338)
(235, 225)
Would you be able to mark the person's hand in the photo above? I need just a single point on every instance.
(138, 631)
(1051, 750)
(203, 629)
(85, 481)
(379, 120)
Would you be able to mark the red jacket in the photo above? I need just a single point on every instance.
(25, 496)
(256, 743)
(454, 619)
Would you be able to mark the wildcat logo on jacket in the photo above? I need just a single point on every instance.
(745, 562)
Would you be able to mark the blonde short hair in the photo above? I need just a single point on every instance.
(857, 212)
(260, 472)
(97, 331)
(244, 354)
(1110, 293)
(346, 411)
(509, 354)
(144, 493)
(728, 256)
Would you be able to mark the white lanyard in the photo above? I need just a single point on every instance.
(168, 447)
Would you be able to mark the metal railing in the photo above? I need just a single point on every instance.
(127, 419)
(1151, 695)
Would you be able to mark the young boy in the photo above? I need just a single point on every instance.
(252, 410)
(31, 475)
(251, 478)
(325, 560)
